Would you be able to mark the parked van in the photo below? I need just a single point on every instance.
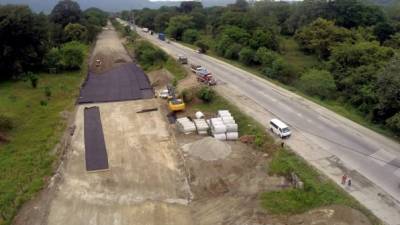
(280, 128)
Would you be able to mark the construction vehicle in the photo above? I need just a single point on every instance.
(174, 103)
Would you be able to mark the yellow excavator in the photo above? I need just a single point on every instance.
(174, 104)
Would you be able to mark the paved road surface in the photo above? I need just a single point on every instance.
(372, 155)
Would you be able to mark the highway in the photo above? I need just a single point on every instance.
(374, 156)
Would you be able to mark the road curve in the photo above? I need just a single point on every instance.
(372, 155)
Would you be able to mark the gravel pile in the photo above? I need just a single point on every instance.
(208, 149)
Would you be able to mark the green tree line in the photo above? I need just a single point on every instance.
(355, 44)
(34, 42)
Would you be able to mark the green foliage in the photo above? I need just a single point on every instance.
(281, 71)
(75, 32)
(394, 41)
(53, 59)
(177, 25)
(190, 36)
(187, 95)
(354, 68)
(206, 94)
(148, 55)
(23, 38)
(66, 12)
(246, 56)
(232, 51)
(33, 79)
(202, 45)
(388, 92)
(47, 91)
(73, 54)
(6, 123)
(265, 57)
(318, 83)
(394, 123)
(383, 31)
(261, 38)
(95, 16)
(321, 36)
(317, 191)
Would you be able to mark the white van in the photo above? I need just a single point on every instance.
(279, 128)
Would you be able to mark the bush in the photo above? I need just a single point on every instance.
(394, 123)
(148, 55)
(246, 56)
(265, 57)
(318, 83)
(73, 54)
(203, 47)
(34, 79)
(206, 94)
(187, 95)
(6, 123)
(53, 59)
(75, 32)
(232, 52)
(281, 71)
(190, 36)
(47, 92)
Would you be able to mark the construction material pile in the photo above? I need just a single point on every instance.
(208, 149)
(185, 125)
(224, 126)
(201, 126)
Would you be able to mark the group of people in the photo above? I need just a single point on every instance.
(346, 179)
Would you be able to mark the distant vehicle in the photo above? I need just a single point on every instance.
(161, 36)
(197, 68)
(199, 51)
(203, 75)
(145, 29)
(163, 93)
(182, 59)
(279, 128)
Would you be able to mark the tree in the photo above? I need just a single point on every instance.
(394, 41)
(383, 31)
(53, 59)
(318, 83)
(72, 55)
(239, 5)
(281, 71)
(177, 25)
(148, 55)
(23, 40)
(75, 32)
(388, 91)
(190, 35)
(261, 38)
(265, 57)
(202, 45)
(354, 68)
(66, 12)
(321, 36)
(246, 56)
(394, 123)
(236, 34)
(189, 6)
(232, 52)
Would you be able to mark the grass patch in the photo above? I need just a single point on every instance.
(27, 161)
(318, 191)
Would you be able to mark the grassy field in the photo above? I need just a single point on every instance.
(27, 160)
(318, 190)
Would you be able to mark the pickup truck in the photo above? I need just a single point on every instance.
(203, 75)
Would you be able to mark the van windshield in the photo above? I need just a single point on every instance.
(285, 130)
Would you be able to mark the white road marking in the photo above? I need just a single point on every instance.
(382, 157)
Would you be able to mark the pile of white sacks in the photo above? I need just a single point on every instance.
(224, 126)
(187, 126)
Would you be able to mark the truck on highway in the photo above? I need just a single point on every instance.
(203, 75)
(182, 59)
(161, 36)
(145, 29)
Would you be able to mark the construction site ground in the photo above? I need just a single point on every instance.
(153, 179)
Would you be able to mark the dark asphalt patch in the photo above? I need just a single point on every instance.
(95, 148)
(122, 83)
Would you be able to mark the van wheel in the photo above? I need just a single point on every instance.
(271, 130)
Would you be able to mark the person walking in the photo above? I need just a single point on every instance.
(344, 179)
(349, 182)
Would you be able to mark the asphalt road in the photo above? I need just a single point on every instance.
(371, 154)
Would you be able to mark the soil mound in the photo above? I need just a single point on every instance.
(208, 149)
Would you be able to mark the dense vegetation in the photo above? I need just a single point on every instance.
(34, 102)
(350, 43)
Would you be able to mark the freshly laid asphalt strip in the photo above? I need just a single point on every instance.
(95, 148)
(125, 82)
